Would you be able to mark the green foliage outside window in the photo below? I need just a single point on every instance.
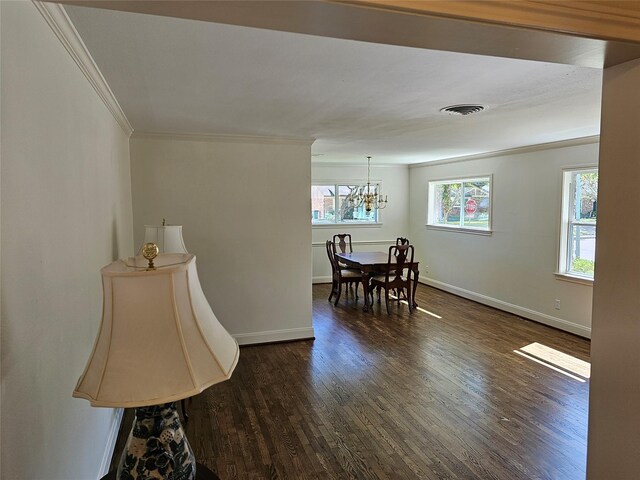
(582, 265)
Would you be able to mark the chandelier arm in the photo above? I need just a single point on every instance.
(365, 196)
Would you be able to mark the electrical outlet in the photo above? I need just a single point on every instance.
(426, 269)
(557, 304)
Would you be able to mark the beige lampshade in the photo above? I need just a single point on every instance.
(167, 237)
(159, 340)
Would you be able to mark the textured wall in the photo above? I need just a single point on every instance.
(513, 268)
(66, 212)
(244, 209)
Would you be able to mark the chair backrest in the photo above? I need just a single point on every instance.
(400, 257)
(343, 242)
(402, 241)
(331, 253)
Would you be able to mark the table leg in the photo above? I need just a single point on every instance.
(415, 286)
(365, 287)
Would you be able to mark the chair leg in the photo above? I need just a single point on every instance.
(378, 288)
(357, 285)
(339, 293)
(333, 289)
(386, 300)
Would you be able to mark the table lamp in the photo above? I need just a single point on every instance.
(159, 342)
(168, 238)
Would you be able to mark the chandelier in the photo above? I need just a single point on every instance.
(366, 194)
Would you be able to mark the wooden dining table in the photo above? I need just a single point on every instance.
(374, 263)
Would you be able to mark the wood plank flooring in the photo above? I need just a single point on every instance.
(398, 396)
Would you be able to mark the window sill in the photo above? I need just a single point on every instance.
(472, 231)
(346, 224)
(565, 277)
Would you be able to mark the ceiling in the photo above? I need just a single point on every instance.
(355, 98)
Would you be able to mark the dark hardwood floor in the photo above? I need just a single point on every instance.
(398, 396)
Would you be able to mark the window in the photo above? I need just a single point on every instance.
(579, 214)
(463, 203)
(323, 203)
(328, 208)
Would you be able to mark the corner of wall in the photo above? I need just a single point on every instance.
(111, 442)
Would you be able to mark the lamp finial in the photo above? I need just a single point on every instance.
(150, 251)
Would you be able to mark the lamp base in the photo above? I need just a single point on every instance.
(157, 447)
(202, 473)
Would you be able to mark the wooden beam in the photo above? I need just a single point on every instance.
(398, 23)
(613, 20)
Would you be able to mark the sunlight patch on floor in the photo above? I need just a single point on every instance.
(417, 308)
(556, 360)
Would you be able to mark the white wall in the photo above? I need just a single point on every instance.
(614, 416)
(244, 207)
(513, 269)
(394, 218)
(66, 212)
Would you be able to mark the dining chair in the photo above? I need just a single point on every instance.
(397, 275)
(340, 275)
(402, 241)
(343, 242)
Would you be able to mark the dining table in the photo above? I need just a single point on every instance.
(375, 263)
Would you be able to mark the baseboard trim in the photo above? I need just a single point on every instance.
(325, 279)
(111, 441)
(539, 317)
(273, 336)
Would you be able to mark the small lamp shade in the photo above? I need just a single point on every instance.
(159, 340)
(167, 237)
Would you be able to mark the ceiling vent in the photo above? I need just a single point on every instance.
(462, 109)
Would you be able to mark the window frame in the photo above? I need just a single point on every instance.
(336, 184)
(566, 223)
(431, 205)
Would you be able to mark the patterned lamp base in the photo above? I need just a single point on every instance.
(157, 447)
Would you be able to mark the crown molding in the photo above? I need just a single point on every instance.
(195, 137)
(513, 151)
(63, 28)
(316, 163)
